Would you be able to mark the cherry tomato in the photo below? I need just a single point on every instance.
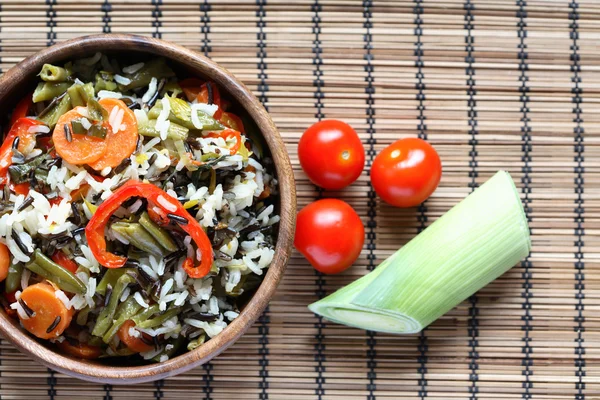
(331, 154)
(406, 172)
(330, 235)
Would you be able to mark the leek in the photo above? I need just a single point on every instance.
(471, 245)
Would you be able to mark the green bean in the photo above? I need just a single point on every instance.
(52, 73)
(82, 316)
(158, 233)
(13, 280)
(96, 111)
(194, 344)
(49, 90)
(79, 96)
(105, 318)
(98, 131)
(111, 276)
(139, 237)
(19, 173)
(175, 131)
(181, 113)
(156, 68)
(95, 341)
(63, 278)
(52, 116)
(159, 319)
(77, 127)
(126, 310)
(104, 80)
(173, 88)
(144, 315)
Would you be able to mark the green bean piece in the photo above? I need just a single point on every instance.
(126, 310)
(171, 87)
(82, 316)
(96, 111)
(13, 279)
(194, 344)
(19, 173)
(181, 113)
(104, 80)
(159, 319)
(51, 118)
(144, 315)
(139, 237)
(213, 181)
(111, 276)
(176, 343)
(158, 233)
(95, 341)
(156, 68)
(97, 131)
(52, 73)
(49, 90)
(175, 131)
(63, 278)
(105, 318)
(77, 127)
(79, 95)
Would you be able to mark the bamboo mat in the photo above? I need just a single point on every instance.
(492, 85)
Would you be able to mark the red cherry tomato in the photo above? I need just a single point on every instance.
(330, 235)
(406, 172)
(331, 154)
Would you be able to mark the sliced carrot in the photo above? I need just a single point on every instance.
(82, 149)
(232, 121)
(22, 108)
(132, 342)
(61, 259)
(81, 350)
(120, 144)
(41, 299)
(4, 261)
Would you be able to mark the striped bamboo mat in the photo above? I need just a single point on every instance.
(492, 84)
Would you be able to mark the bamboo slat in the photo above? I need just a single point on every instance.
(511, 84)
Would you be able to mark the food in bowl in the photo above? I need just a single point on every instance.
(137, 210)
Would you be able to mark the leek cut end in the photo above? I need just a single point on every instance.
(368, 319)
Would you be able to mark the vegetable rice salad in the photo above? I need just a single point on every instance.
(136, 212)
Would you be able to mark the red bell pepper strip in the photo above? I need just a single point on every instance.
(19, 129)
(61, 259)
(21, 108)
(205, 94)
(227, 133)
(232, 121)
(156, 197)
(191, 87)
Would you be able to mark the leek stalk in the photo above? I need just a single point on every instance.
(471, 245)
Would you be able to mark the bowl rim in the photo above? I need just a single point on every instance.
(9, 85)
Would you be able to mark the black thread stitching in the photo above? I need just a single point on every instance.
(473, 174)
(50, 23)
(207, 378)
(371, 224)
(156, 16)
(526, 147)
(318, 83)
(205, 19)
(106, 8)
(579, 150)
(265, 319)
(422, 133)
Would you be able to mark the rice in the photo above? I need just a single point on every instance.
(121, 80)
(38, 129)
(162, 123)
(140, 300)
(63, 297)
(166, 204)
(125, 294)
(152, 87)
(107, 94)
(132, 69)
(25, 279)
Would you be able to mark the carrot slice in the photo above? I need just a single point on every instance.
(121, 144)
(4, 261)
(82, 149)
(133, 343)
(81, 350)
(41, 299)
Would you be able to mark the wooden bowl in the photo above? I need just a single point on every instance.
(19, 79)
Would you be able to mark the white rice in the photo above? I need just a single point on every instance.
(25, 279)
(132, 69)
(63, 297)
(152, 87)
(125, 294)
(121, 80)
(162, 122)
(85, 123)
(166, 204)
(20, 310)
(107, 94)
(105, 171)
(140, 300)
(38, 129)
